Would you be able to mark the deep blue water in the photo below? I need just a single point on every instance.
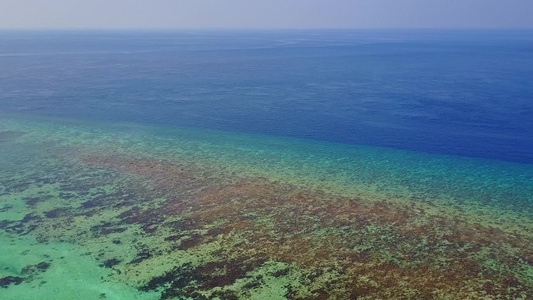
(467, 93)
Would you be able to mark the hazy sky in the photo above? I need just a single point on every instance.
(266, 13)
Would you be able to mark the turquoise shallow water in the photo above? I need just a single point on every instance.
(392, 172)
(69, 189)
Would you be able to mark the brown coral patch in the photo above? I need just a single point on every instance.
(7, 135)
(377, 249)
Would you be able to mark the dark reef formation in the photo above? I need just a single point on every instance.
(217, 233)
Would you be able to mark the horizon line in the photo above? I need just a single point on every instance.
(249, 29)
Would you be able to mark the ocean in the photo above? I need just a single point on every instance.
(262, 164)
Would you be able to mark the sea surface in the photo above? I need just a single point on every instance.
(292, 164)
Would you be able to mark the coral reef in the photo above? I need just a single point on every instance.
(190, 228)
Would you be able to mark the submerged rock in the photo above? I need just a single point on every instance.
(8, 280)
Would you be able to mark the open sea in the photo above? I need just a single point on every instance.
(292, 164)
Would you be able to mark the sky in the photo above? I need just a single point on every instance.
(266, 14)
